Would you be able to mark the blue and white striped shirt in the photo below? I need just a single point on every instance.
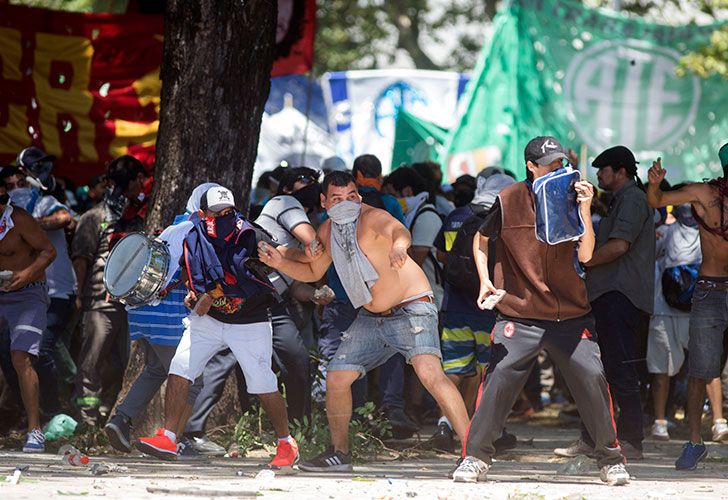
(160, 324)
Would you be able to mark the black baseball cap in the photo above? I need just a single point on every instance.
(31, 155)
(616, 157)
(544, 149)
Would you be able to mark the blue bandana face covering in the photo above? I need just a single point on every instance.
(24, 198)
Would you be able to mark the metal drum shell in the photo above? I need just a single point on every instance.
(152, 278)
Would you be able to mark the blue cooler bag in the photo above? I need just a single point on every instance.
(557, 211)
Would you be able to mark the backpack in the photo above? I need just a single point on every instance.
(460, 270)
(678, 284)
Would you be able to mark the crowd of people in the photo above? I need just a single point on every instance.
(356, 286)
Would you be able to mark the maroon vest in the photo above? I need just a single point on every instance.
(540, 279)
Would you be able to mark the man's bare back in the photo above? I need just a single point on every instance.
(21, 249)
(706, 201)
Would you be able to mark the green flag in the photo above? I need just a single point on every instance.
(590, 78)
(415, 139)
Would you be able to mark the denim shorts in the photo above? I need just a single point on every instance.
(372, 338)
(708, 321)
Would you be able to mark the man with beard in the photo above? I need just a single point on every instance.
(620, 282)
(369, 250)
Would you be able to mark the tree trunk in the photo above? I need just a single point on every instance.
(215, 81)
(215, 76)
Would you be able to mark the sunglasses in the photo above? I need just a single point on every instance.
(306, 179)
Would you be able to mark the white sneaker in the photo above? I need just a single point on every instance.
(659, 430)
(614, 475)
(34, 442)
(470, 470)
(720, 430)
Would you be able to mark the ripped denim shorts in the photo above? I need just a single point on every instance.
(372, 339)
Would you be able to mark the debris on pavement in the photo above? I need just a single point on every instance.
(105, 468)
(197, 492)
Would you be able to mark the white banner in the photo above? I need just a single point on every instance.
(363, 106)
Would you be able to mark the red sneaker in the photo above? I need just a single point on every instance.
(286, 455)
(159, 446)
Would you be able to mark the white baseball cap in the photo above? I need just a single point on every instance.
(217, 199)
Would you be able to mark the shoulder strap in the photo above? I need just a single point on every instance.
(420, 212)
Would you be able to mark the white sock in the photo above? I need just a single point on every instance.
(171, 435)
(444, 420)
(287, 438)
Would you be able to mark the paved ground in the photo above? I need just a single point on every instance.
(529, 472)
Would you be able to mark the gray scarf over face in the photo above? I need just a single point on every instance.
(355, 271)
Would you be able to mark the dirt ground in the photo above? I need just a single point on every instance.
(528, 472)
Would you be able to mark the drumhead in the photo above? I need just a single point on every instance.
(126, 263)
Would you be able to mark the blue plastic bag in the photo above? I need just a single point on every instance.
(557, 212)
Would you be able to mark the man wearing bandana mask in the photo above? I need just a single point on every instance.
(231, 308)
(369, 249)
(25, 253)
(128, 196)
(55, 218)
(289, 218)
(104, 322)
(286, 218)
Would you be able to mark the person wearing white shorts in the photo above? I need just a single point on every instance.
(666, 344)
(252, 345)
(230, 309)
(669, 332)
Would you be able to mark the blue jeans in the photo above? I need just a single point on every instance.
(708, 321)
(373, 338)
(336, 318)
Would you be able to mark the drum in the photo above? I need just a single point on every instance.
(136, 270)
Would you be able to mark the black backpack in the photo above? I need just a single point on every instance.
(460, 270)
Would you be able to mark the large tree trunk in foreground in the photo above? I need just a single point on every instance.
(215, 75)
(215, 81)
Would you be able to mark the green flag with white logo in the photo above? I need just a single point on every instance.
(415, 139)
(593, 79)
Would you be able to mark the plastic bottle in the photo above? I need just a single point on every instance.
(72, 456)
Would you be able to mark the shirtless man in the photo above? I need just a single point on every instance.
(25, 251)
(369, 250)
(709, 315)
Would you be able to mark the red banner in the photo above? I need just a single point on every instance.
(294, 37)
(85, 87)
